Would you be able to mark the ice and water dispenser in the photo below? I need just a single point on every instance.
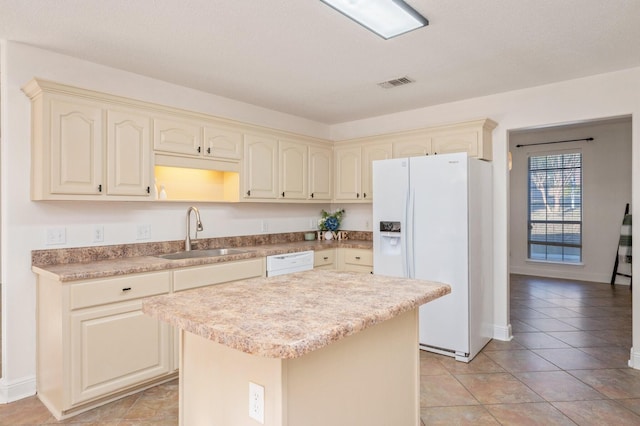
(390, 241)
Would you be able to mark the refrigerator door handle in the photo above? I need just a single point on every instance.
(409, 209)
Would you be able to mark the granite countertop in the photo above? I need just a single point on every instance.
(65, 272)
(290, 315)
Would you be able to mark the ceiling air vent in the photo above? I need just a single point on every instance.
(390, 84)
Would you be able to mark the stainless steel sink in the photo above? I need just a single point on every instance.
(201, 253)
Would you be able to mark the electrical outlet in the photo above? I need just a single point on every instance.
(265, 226)
(366, 224)
(312, 223)
(56, 236)
(98, 233)
(143, 232)
(256, 402)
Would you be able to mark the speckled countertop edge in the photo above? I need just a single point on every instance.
(291, 315)
(68, 272)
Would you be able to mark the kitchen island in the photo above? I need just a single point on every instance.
(327, 348)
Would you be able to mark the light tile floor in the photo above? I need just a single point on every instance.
(566, 365)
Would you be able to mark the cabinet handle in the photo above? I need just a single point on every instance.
(357, 257)
(100, 188)
(209, 150)
(126, 289)
(248, 193)
(326, 257)
(148, 190)
(199, 149)
(365, 195)
(312, 195)
(357, 195)
(282, 194)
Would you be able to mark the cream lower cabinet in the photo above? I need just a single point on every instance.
(94, 344)
(324, 259)
(355, 260)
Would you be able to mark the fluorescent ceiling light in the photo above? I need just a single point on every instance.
(387, 18)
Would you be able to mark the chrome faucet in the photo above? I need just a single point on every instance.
(187, 241)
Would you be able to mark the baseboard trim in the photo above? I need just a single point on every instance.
(569, 273)
(17, 389)
(634, 359)
(502, 332)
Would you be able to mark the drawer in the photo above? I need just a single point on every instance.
(324, 257)
(111, 290)
(219, 273)
(358, 257)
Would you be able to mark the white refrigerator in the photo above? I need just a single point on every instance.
(432, 219)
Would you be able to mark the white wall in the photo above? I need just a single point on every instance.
(605, 95)
(606, 164)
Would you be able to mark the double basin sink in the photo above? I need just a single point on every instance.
(191, 254)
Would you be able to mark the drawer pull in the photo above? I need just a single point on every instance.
(326, 257)
(357, 257)
(126, 289)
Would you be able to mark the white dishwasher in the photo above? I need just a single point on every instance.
(288, 263)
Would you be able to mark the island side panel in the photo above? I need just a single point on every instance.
(371, 378)
(214, 384)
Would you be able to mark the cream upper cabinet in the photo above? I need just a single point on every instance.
(177, 136)
(371, 153)
(222, 143)
(260, 172)
(320, 173)
(293, 171)
(75, 130)
(354, 169)
(348, 163)
(128, 153)
(85, 149)
(415, 146)
(469, 141)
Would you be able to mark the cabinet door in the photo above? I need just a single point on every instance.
(457, 142)
(371, 153)
(320, 173)
(128, 154)
(348, 173)
(76, 147)
(293, 174)
(412, 147)
(260, 167)
(220, 142)
(115, 346)
(178, 136)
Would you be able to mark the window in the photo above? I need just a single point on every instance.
(555, 207)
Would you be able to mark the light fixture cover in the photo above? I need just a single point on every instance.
(387, 18)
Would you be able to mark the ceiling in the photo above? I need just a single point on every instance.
(306, 59)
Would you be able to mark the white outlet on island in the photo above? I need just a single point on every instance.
(256, 402)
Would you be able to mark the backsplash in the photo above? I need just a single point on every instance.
(92, 254)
